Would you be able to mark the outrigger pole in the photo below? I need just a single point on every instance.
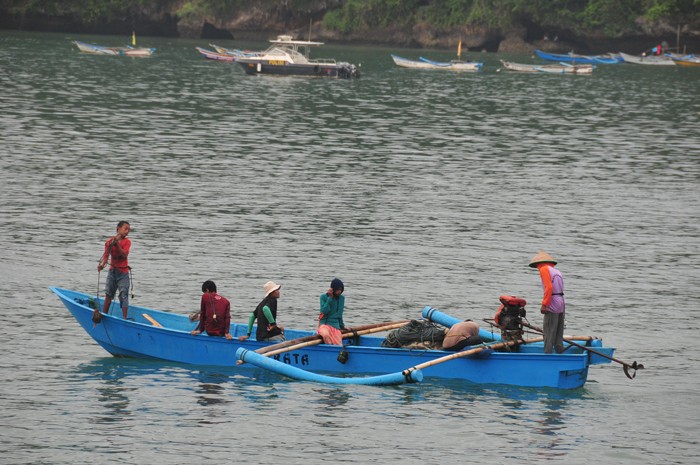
(625, 366)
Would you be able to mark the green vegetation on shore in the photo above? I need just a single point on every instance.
(611, 18)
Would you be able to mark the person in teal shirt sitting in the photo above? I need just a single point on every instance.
(330, 319)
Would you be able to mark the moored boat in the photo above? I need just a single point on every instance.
(95, 49)
(573, 58)
(287, 56)
(154, 334)
(233, 51)
(114, 51)
(651, 60)
(209, 55)
(223, 50)
(137, 52)
(425, 63)
(687, 61)
(406, 63)
(562, 68)
(454, 65)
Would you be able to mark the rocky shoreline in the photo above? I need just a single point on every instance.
(520, 39)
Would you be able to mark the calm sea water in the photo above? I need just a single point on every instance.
(415, 188)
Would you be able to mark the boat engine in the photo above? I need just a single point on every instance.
(509, 317)
(348, 70)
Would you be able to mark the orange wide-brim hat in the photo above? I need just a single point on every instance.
(541, 257)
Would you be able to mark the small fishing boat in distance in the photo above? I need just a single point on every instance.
(650, 60)
(561, 68)
(114, 51)
(574, 58)
(406, 63)
(425, 63)
(685, 60)
(454, 65)
(288, 57)
(223, 50)
(233, 51)
(209, 55)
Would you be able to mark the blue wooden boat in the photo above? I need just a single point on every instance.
(154, 334)
(574, 58)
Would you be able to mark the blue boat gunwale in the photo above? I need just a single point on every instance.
(239, 329)
(162, 317)
(576, 58)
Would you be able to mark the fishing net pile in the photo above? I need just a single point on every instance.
(418, 334)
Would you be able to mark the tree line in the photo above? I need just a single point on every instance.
(612, 18)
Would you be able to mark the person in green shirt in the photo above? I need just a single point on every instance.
(330, 319)
(266, 314)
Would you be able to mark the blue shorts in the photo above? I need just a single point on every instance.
(118, 280)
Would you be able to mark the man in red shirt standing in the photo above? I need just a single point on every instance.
(214, 313)
(117, 252)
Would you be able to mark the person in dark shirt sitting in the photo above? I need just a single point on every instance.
(214, 313)
(266, 314)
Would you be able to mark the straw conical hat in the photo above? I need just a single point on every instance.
(271, 287)
(541, 257)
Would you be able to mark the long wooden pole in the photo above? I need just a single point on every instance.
(152, 320)
(625, 366)
(492, 322)
(466, 353)
(319, 340)
(313, 337)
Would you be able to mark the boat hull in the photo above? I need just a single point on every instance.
(687, 62)
(281, 68)
(549, 69)
(114, 51)
(137, 52)
(209, 55)
(653, 60)
(573, 58)
(95, 49)
(424, 63)
(528, 366)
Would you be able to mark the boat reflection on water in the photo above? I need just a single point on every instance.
(512, 396)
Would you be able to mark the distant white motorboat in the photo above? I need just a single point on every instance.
(288, 57)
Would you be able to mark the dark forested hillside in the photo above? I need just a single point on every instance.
(505, 25)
